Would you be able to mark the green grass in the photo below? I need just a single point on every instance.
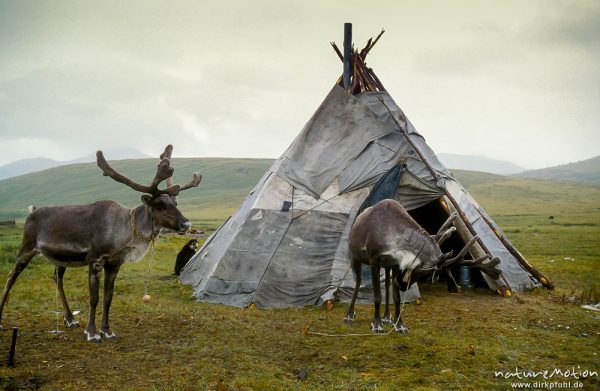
(456, 342)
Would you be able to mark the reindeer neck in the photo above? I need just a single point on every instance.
(142, 225)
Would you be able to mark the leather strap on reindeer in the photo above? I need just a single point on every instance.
(136, 232)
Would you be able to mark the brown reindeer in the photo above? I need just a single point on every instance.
(386, 236)
(103, 235)
(440, 237)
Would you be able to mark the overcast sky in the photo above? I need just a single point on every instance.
(511, 80)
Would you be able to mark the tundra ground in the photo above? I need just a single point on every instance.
(459, 341)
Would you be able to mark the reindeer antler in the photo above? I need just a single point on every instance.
(167, 155)
(490, 268)
(445, 230)
(459, 257)
(447, 224)
(164, 171)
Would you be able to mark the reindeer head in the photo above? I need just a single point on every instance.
(438, 261)
(424, 257)
(161, 203)
(430, 259)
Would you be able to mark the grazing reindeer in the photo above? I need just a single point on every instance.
(440, 237)
(103, 235)
(385, 235)
(187, 251)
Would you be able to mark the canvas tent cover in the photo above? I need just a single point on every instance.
(287, 243)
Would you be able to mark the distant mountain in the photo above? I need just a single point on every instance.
(479, 163)
(113, 154)
(583, 171)
(25, 166)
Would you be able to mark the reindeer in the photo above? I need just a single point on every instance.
(103, 235)
(385, 235)
(440, 237)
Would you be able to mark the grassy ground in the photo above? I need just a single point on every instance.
(455, 341)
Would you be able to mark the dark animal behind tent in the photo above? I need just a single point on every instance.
(184, 255)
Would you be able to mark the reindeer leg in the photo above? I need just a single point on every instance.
(22, 261)
(386, 313)
(399, 326)
(453, 286)
(95, 267)
(110, 274)
(357, 268)
(59, 273)
(376, 325)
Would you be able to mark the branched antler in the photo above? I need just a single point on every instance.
(490, 268)
(447, 223)
(440, 238)
(484, 263)
(445, 230)
(164, 171)
(459, 257)
(167, 155)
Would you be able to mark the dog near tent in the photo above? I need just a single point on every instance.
(286, 246)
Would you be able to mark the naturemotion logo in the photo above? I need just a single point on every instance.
(547, 374)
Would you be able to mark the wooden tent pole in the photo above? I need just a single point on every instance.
(514, 252)
(477, 251)
(435, 175)
(517, 254)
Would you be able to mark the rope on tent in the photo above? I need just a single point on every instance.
(310, 209)
(293, 218)
(402, 129)
(274, 251)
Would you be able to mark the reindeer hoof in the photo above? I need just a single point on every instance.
(401, 329)
(349, 318)
(376, 328)
(72, 324)
(386, 320)
(95, 338)
(108, 335)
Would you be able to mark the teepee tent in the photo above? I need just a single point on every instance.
(286, 246)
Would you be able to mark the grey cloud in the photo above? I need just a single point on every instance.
(241, 78)
(569, 23)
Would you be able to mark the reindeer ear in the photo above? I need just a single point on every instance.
(146, 199)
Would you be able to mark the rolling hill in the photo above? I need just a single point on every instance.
(224, 184)
(26, 166)
(479, 163)
(583, 171)
(227, 181)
